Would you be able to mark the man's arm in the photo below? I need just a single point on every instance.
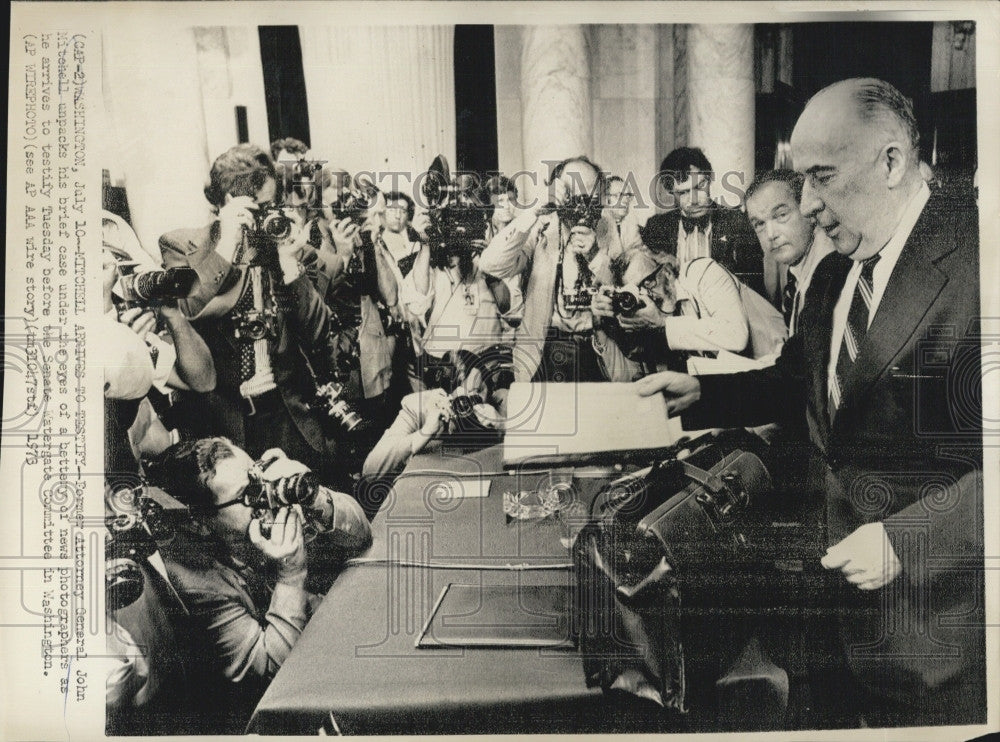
(722, 324)
(311, 322)
(734, 400)
(193, 367)
(417, 291)
(510, 250)
(406, 437)
(213, 270)
(247, 647)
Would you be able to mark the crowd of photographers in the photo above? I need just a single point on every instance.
(281, 364)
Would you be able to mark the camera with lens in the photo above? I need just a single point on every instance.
(455, 231)
(256, 324)
(137, 526)
(579, 298)
(464, 406)
(580, 211)
(273, 222)
(330, 399)
(457, 218)
(465, 424)
(152, 287)
(625, 302)
(354, 205)
(266, 496)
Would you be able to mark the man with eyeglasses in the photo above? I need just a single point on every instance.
(243, 578)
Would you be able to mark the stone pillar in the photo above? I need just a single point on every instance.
(555, 94)
(721, 102)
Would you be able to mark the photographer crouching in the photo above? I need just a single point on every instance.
(241, 565)
(267, 328)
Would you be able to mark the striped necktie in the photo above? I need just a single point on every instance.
(788, 300)
(854, 332)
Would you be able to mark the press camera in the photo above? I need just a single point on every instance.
(152, 287)
(457, 218)
(137, 525)
(330, 399)
(266, 496)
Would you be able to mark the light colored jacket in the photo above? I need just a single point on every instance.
(530, 245)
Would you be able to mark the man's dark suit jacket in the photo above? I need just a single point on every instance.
(303, 333)
(734, 243)
(905, 448)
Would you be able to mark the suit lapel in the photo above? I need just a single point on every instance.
(816, 326)
(912, 288)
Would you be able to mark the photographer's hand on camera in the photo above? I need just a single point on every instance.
(648, 315)
(234, 217)
(285, 547)
(600, 303)
(289, 250)
(582, 240)
(276, 465)
(420, 224)
(110, 275)
(435, 409)
(141, 320)
(346, 236)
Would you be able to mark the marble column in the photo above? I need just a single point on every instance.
(555, 93)
(230, 72)
(720, 74)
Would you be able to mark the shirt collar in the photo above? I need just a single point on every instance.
(819, 249)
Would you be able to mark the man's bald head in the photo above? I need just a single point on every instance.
(858, 144)
(862, 111)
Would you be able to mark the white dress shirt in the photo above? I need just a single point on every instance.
(803, 272)
(880, 276)
(696, 244)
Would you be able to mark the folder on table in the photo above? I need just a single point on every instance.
(499, 616)
(572, 422)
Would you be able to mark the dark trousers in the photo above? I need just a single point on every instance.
(568, 357)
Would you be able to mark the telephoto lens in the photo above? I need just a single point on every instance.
(297, 489)
(157, 285)
(329, 397)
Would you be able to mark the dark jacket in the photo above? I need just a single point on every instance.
(304, 347)
(734, 243)
(904, 449)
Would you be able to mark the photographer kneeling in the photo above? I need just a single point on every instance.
(463, 414)
(241, 566)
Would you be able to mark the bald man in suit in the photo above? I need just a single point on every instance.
(886, 366)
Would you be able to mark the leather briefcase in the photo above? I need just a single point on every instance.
(653, 538)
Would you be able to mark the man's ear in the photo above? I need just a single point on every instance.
(893, 161)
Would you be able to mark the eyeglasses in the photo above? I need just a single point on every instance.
(251, 493)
